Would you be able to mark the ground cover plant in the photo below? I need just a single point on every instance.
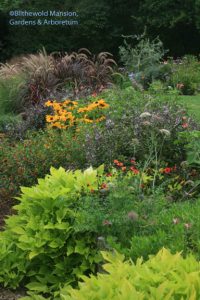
(163, 276)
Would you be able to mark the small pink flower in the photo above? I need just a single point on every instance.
(94, 94)
(185, 125)
(188, 225)
(132, 215)
(109, 175)
(180, 85)
(133, 161)
(107, 223)
(176, 221)
(104, 186)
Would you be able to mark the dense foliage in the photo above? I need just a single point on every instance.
(164, 276)
(40, 246)
(102, 24)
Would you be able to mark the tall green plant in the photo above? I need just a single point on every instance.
(145, 54)
(11, 94)
(143, 59)
(40, 247)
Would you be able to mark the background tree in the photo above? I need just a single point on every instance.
(102, 24)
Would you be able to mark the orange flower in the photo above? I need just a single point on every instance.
(49, 103)
(167, 170)
(134, 170)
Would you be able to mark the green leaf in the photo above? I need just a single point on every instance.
(18, 230)
(37, 286)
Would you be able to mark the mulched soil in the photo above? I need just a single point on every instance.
(10, 295)
(6, 210)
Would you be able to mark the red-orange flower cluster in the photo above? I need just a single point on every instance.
(118, 163)
(134, 170)
(168, 170)
(124, 168)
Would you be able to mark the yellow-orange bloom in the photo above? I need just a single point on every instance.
(49, 118)
(86, 120)
(100, 119)
(63, 118)
(57, 124)
(49, 103)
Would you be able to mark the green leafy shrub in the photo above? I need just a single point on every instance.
(144, 60)
(8, 122)
(175, 227)
(164, 276)
(40, 247)
(192, 147)
(137, 125)
(24, 161)
(148, 219)
(186, 75)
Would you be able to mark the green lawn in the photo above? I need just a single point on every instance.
(193, 104)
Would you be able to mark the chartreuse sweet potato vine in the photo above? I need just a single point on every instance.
(69, 113)
(40, 248)
(163, 277)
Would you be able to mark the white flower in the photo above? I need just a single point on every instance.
(165, 132)
(145, 114)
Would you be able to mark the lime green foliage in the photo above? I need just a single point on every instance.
(40, 246)
(164, 276)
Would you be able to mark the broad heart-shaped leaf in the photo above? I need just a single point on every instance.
(33, 254)
(80, 247)
(42, 237)
(19, 230)
(87, 179)
(37, 286)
